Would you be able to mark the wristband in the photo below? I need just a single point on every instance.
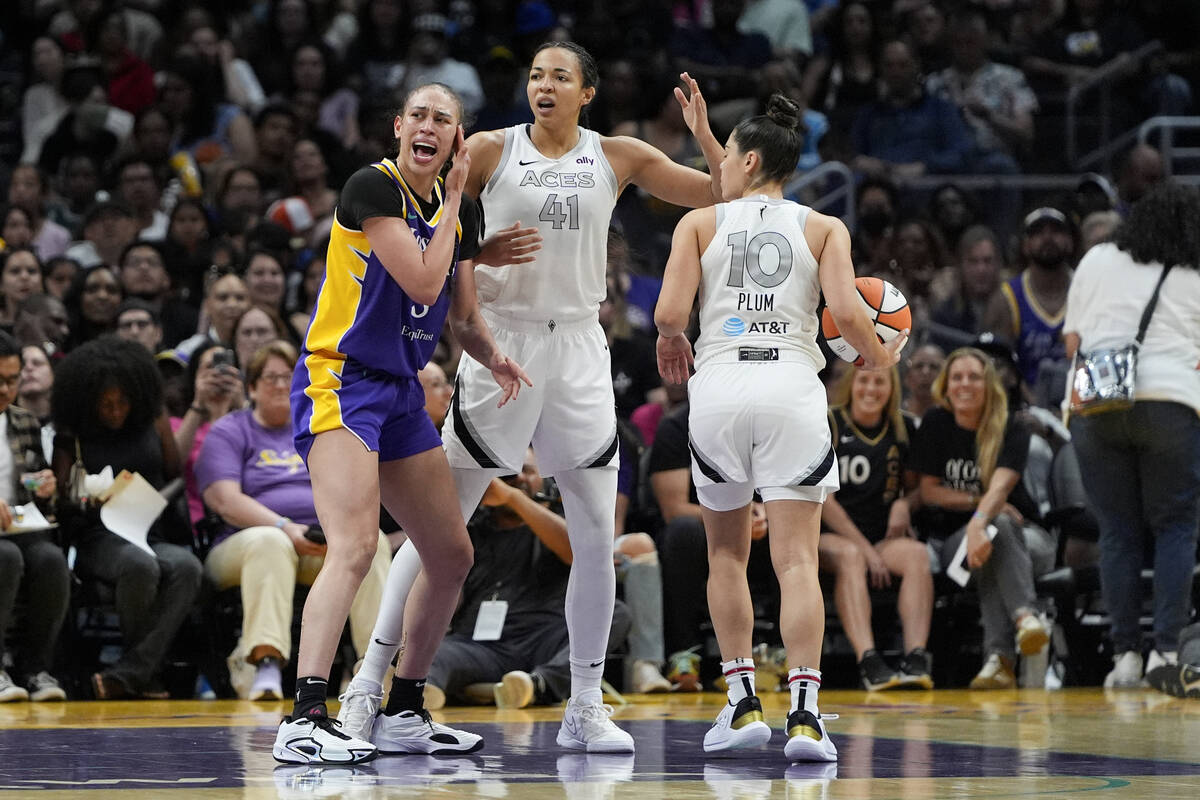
(979, 515)
(279, 523)
(199, 410)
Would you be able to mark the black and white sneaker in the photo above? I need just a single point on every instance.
(738, 727)
(807, 738)
(416, 732)
(875, 673)
(316, 739)
(916, 670)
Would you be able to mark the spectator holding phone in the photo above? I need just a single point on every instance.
(250, 474)
(213, 389)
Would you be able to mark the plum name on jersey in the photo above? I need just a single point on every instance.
(559, 180)
(755, 301)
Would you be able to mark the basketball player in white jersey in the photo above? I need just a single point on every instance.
(757, 419)
(563, 180)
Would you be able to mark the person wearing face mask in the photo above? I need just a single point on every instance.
(875, 201)
(1029, 307)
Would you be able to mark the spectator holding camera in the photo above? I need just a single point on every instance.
(522, 558)
(250, 475)
(32, 564)
(108, 411)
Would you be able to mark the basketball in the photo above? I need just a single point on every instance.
(886, 308)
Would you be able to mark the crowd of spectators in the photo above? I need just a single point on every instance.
(168, 175)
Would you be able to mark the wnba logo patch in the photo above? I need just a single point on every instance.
(733, 326)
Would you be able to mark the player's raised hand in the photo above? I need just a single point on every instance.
(456, 178)
(675, 358)
(508, 375)
(695, 110)
(511, 245)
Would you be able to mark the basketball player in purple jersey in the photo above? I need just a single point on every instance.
(359, 419)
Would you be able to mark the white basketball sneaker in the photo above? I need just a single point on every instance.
(317, 739)
(588, 727)
(359, 708)
(1126, 672)
(738, 727)
(416, 732)
(807, 738)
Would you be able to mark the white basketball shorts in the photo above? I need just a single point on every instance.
(759, 425)
(568, 415)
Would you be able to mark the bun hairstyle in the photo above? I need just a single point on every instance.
(783, 111)
(777, 136)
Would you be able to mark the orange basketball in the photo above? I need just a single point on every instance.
(886, 307)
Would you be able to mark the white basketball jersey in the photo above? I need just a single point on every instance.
(759, 286)
(570, 200)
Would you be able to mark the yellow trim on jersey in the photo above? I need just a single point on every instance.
(389, 167)
(1046, 317)
(1014, 310)
(844, 414)
(324, 379)
(337, 304)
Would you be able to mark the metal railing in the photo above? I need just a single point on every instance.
(816, 178)
(1160, 132)
(1101, 81)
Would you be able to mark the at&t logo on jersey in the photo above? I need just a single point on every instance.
(734, 326)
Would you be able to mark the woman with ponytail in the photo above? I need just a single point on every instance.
(970, 455)
(758, 415)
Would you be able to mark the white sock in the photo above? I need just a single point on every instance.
(588, 497)
(804, 684)
(406, 565)
(389, 624)
(739, 676)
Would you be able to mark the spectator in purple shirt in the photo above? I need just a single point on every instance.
(250, 474)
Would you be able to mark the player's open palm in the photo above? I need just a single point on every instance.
(695, 109)
(511, 245)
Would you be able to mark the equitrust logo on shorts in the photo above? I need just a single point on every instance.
(734, 326)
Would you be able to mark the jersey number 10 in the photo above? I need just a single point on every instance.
(748, 257)
(552, 212)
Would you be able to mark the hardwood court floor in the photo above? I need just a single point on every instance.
(944, 744)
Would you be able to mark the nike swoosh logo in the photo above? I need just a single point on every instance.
(382, 643)
(598, 663)
(527, 163)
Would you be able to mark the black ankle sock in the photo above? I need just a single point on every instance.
(310, 697)
(407, 694)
